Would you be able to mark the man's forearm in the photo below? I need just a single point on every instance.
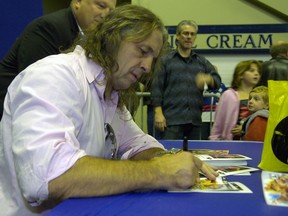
(147, 154)
(98, 177)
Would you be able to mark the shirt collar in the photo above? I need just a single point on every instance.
(91, 69)
(94, 73)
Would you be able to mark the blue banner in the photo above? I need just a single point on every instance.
(235, 38)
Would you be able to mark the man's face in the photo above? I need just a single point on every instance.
(89, 12)
(134, 59)
(186, 37)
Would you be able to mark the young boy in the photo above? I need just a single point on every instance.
(254, 127)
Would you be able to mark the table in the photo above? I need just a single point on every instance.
(163, 203)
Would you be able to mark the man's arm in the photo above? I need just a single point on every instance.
(212, 78)
(157, 91)
(99, 177)
(204, 78)
(147, 154)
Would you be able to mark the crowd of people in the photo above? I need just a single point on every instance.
(232, 108)
(244, 108)
(65, 129)
(173, 106)
(178, 110)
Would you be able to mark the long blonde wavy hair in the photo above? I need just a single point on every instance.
(129, 23)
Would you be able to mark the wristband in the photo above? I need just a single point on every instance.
(171, 151)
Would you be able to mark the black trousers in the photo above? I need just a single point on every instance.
(178, 132)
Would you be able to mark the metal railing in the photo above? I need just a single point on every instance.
(213, 96)
(142, 95)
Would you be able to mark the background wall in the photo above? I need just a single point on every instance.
(53, 5)
(209, 12)
(220, 12)
(14, 16)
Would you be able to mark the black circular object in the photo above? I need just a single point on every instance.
(280, 141)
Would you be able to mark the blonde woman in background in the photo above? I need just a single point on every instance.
(232, 108)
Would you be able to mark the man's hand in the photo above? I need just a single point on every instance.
(159, 119)
(181, 170)
(202, 78)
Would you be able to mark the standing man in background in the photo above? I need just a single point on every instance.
(177, 89)
(48, 35)
(277, 67)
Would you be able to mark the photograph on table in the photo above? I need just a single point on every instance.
(275, 188)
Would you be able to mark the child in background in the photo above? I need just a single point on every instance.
(232, 107)
(254, 127)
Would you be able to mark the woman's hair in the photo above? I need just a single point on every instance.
(128, 23)
(263, 91)
(240, 69)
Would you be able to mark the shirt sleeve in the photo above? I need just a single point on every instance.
(130, 138)
(44, 132)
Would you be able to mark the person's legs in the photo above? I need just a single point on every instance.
(192, 132)
(205, 130)
(150, 119)
(178, 132)
(158, 134)
(173, 132)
